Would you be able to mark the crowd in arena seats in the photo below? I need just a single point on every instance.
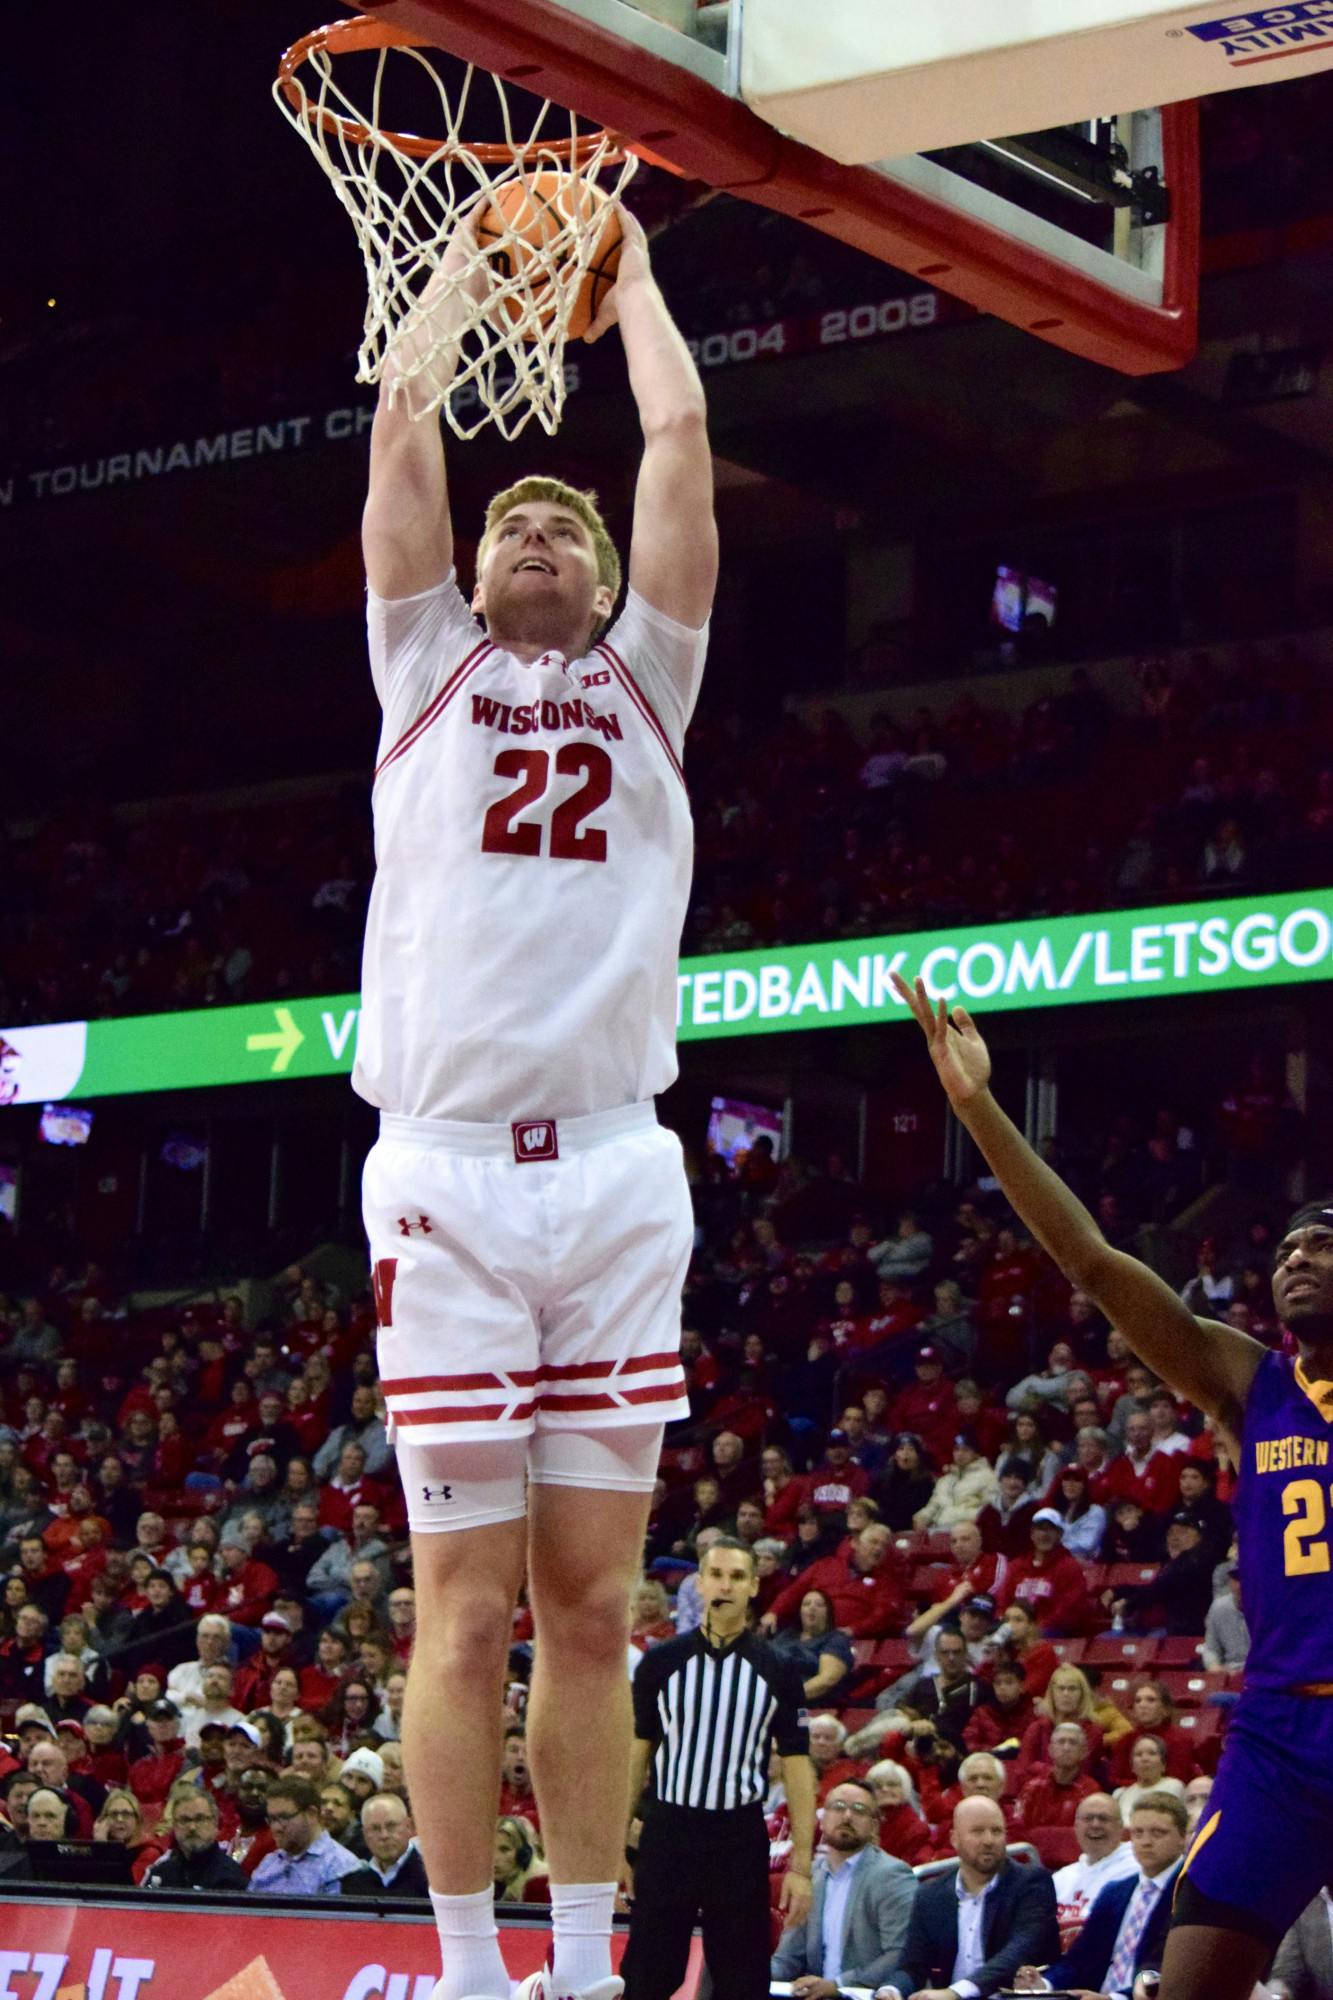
(1212, 785)
(999, 1550)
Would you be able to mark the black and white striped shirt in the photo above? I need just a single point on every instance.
(713, 1713)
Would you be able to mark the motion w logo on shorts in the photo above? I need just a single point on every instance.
(535, 1139)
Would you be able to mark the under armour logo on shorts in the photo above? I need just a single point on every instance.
(535, 1139)
(429, 1493)
(422, 1225)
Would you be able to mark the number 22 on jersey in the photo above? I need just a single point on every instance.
(1302, 1555)
(560, 835)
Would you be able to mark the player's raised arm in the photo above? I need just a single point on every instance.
(1211, 1364)
(673, 548)
(406, 534)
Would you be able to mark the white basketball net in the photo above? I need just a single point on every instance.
(499, 359)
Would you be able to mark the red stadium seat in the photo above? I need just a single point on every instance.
(1128, 1576)
(1097, 1576)
(1178, 1652)
(1119, 1688)
(1057, 1845)
(1191, 1690)
(863, 1652)
(923, 1580)
(1069, 1651)
(1116, 1649)
(912, 1545)
(895, 1653)
(853, 1719)
(1199, 1724)
(939, 1548)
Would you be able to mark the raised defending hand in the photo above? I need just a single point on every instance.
(956, 1049)
(634, 264)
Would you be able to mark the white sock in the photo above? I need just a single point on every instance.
(581, 1934)
(469, 1947)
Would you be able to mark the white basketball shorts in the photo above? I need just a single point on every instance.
(527, 1277)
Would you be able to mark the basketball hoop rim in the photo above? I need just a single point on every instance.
(363, 32)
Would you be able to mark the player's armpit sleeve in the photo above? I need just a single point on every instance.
(663, 660)
(791, 1724)
(410, 639)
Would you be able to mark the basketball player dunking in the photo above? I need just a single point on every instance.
(1265, 1845)
(528, 1218)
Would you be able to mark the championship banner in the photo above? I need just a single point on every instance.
(63, 1951)
(1230, 946)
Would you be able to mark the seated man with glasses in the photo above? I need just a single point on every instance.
(307, 1860)
(860, 1907)
(195, 1860)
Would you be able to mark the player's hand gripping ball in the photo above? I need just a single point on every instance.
(519, 226)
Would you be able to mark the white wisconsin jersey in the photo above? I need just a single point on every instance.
(534, 849)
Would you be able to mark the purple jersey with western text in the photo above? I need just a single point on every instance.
(1284, 1524)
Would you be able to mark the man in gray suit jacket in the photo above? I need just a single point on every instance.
(860, 1908)
(1303, 1968)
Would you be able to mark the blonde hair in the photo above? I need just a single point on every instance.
(121, 1795)
(582, 503)
(1086, 1705)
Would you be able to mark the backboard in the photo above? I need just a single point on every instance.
(874, 125)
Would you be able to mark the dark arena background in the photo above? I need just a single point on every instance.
(1020, 677)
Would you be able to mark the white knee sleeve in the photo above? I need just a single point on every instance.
(619, 1460)
(462, 1485)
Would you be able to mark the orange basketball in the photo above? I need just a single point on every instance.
(534, 213)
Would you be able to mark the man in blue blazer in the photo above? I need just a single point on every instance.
(972, 1928)
(1125, 1931)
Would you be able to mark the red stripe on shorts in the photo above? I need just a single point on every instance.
(599, 1370)
(457, 1414)
(419, 1385)
(664, 1392)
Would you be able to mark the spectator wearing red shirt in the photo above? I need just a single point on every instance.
(736, 1474)
(903, 1830)
(402, 1610)
(1049, 1580)
(928, 1407)
(1009, 1716)
(1053, 1797)
(828, 1738)
(837, 1480)
(1153, 1714)
(201, 1589)
(23, 1658)
(1068, 1698)
(977, 1415)
(152, 1777)
(785, 1492)
(517, 1798)
(1022, 1640)
(1143, 1474)
(254, 1681)
(864, 1588)
(894, 1315)
(319, 1683)
(247, 1585)
(85, 1560)
(748, 1411)
(348, 1489)
(981, 1571)
(65, 1537)
(1006, 1525)
(702, 1373)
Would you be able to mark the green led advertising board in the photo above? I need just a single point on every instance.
(1227, 946)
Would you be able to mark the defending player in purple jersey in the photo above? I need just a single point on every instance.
(1265, 1846)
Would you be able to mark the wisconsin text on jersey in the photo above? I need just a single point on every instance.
(527, 718)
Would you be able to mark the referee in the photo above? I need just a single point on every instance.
(708, 1708)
